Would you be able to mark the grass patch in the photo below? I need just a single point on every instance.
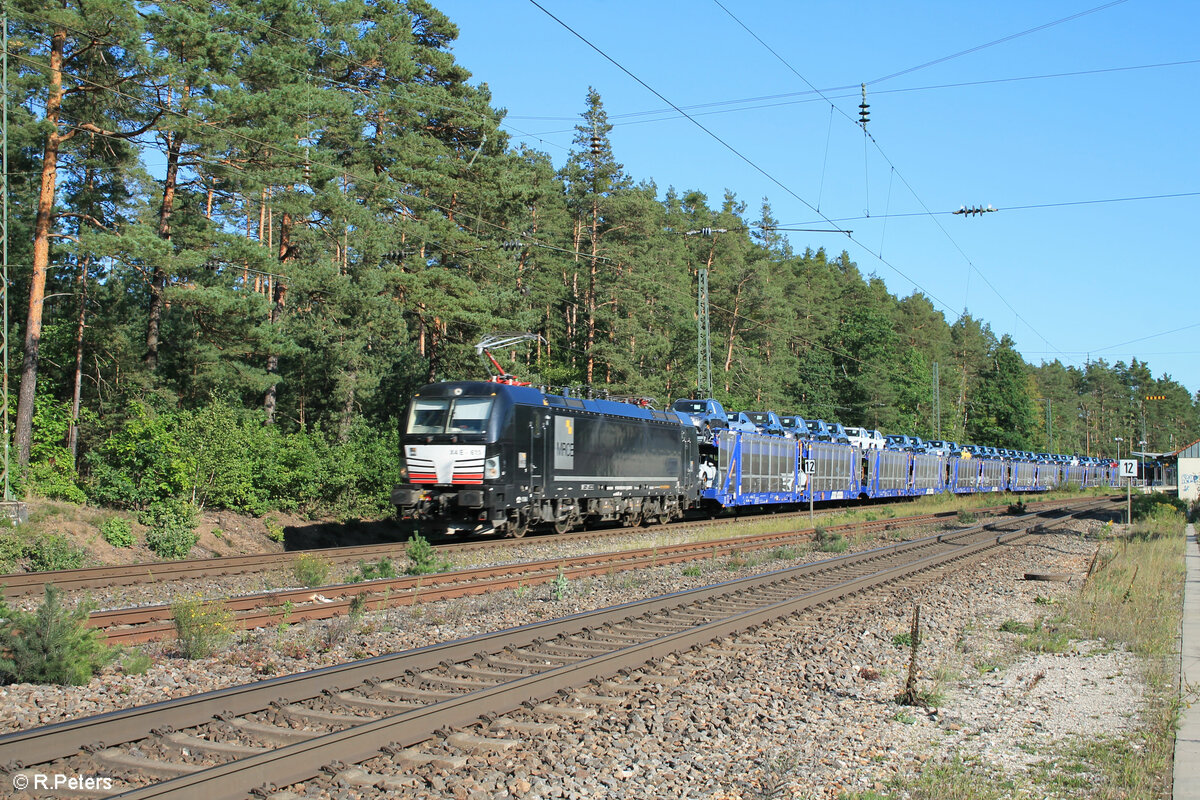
(959, 779)
(1013, 626)
(692, 571)
(986, 665)
(1052, 637)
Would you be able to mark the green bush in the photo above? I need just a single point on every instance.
(139, 460)
(373, 570)
(56, 480)
(13, 548)
(1158, 507)
(275, 531)
(311, 570)
(116, 531)
(53, 551)
(423, 557)
(50, 645)
(172, 525)
(225, 457)
(904, 639)
(830, 542)
(51, 471)
(202, 627)
(967, 517)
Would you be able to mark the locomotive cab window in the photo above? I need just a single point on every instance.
(428, 415)
(470, 415)
(443, 415)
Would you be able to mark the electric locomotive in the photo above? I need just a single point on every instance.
(482, 457)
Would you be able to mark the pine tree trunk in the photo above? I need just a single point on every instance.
(77, 390)
(591, 299)
(347, 410)
(280, 292)
(158, 282)
(43, 223)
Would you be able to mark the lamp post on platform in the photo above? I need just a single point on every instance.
(1142, 443)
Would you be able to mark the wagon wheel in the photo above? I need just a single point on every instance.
(562, 526)
(632, 516)
(652, 512)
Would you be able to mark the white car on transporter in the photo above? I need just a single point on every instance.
(865, 438)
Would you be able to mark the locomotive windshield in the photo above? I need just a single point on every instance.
(446, 415)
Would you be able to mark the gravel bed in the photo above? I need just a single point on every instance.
(303, 646)
(807, 707)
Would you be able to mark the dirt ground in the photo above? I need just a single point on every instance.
(222, 533)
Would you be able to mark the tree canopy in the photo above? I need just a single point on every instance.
(253, 229)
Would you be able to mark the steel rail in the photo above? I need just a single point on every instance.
(315, 603)
(22, 584)
(45, 744)
(289, 764)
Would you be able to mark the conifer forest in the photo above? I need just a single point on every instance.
(243, 232)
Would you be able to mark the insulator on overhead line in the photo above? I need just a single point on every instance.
(864, 115)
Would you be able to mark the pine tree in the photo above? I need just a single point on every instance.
(83, 52)
(50, 645)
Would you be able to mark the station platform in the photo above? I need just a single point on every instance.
(1187, 739)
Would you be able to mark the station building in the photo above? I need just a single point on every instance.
(1187, 465)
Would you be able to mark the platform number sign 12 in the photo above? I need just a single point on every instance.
(1128, 468)
(810, 466)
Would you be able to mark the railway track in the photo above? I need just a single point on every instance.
(391, 711)
(24, 584)
(153, 622)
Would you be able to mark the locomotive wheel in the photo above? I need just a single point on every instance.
(518, 525)
(563, 526)
(632, 517)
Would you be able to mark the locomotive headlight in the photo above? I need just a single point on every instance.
(403, 469)
(491, 467)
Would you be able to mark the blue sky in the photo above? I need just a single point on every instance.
(1063, 271)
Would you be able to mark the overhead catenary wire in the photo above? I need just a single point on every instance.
(862, 122)
(729, 147)
(995, 42)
